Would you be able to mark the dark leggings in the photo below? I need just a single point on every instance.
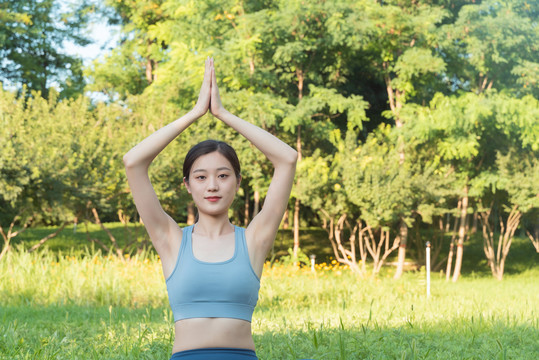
(215, 354)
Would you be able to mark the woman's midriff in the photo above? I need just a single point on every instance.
(212, 332)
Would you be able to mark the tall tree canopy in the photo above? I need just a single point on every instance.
(406, 114)
(33, 34)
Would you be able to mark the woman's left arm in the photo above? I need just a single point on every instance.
(264, 226)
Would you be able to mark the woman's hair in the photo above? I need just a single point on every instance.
(209, 146)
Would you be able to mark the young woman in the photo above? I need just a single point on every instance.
(212, 268)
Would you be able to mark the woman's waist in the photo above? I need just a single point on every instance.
(197, 333)
(215, 354)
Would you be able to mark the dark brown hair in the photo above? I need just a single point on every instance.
(209, 146)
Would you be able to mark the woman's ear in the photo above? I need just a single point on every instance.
(186, 183)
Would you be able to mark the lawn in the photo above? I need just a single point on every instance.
(86, 305)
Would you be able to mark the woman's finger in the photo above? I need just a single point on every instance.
(213, 78)
(207, 71)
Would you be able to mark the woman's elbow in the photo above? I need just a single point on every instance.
(128, 160)
(292, 156)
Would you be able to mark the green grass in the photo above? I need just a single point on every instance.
(522, 256)
(75, 241)
(90, 306)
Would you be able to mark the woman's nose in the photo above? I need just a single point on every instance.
(213, 185)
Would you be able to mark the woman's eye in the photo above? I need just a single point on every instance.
(222, 176)
(201, 177)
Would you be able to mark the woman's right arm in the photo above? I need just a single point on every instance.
(137, 162)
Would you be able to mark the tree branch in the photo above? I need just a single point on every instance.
(50, 236)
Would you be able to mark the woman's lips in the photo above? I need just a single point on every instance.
(213, 198)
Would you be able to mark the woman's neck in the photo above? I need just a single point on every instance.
(212, 227)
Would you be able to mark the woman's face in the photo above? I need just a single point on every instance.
(212, 183)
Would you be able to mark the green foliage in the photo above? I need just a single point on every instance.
(130, 67)
(518, 175)
(500, 40)
(61, 160)
(320, 185)
(457, 78)
(377, 182)
(118, 75)
(527, 76)
(467, 132)
(31, 38)
(27, 182)
(404, 50)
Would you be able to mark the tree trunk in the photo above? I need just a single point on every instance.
(256, 207)
(496, 260)
(462, 235)
(328, 225)
(297, 203)
(151, 65)
(4, 250)
(115, 246)
(246, 208)
(286, 217)
(452, 245)
(449, 260)
(10, 234)
(149, 70)
(403, 235)
(534, 238)
(395, 103)
(475, 218)
(345, 255)
(296, 228)
(301, 76)
(191, 213)
(375, 247)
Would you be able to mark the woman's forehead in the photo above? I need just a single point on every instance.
(211, 161)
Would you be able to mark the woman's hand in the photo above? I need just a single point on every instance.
(203, 102)
(216, 106)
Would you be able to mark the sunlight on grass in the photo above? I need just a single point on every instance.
(95, 306)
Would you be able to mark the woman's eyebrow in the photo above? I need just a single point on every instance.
(218, 169)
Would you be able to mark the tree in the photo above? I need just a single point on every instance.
(467, 132)
(307, 59)
(62, 162)
(401, 52)
(260, 49)
(131, 67)
(512, 187)
(305, 72)
(456, 126)
(386, 190)
(30, 188)
(493, 45)
(32, 34)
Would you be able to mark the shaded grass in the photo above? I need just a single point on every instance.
(522, 256)
(75, 241)
(99, 307)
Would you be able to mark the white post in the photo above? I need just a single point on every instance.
(313, 258)
(427, 253)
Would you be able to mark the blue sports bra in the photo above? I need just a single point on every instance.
(225, 289)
